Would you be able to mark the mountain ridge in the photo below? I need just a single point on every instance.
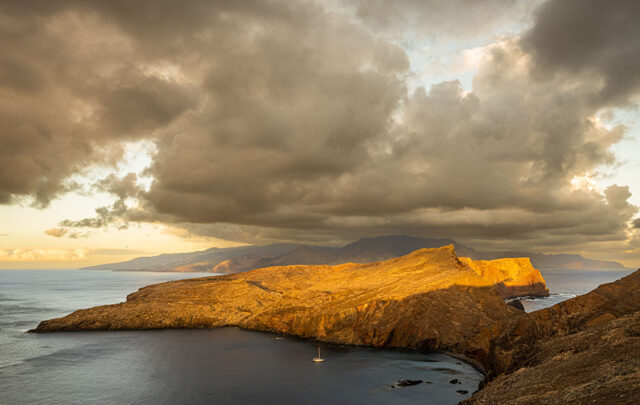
(366, 250)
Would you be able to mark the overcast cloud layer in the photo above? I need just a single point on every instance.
(280, 120)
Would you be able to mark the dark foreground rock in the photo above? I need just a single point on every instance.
(406, 383)
(516, 304)
(585, 350)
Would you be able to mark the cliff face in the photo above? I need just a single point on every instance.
(428, 299)
(596, 365)
(607, 302)
(584, 350)
(513, 277)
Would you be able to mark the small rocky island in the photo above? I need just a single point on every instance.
(427, 300)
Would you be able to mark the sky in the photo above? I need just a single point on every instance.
(138, 128)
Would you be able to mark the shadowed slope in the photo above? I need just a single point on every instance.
(583, 350)
(605, 303)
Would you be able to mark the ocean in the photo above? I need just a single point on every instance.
(565, 284)
(211, 366)
(218, 366)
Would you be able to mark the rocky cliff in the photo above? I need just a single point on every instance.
(429, 299)
(513, 277)
(584, 350)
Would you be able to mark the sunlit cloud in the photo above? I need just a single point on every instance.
(42, 255)
(60, 232)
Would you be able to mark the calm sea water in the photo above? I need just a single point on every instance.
(565, 284)
(215, 366)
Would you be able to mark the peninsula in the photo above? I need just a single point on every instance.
(429, 299)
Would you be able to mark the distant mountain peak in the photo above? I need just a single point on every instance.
(371, 249)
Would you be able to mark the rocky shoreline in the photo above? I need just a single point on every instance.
(427, 300)
(583, 350)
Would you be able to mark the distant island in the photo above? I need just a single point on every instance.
(367, 250)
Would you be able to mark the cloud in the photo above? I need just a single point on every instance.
(118, 252)
(454, 19)
(85, 77)
(123, 187)
(636, 223)
(55, 232)
(61, 232)
(42, 255)
(494, 163)
(118, 214)
(280, 121)
(590, 38)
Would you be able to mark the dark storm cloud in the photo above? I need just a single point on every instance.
(118, 214)
(284, 121)
(591, 37)
(72, 82)
(104, 216)
(496, 161)
(636, 223)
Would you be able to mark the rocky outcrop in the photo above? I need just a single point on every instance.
(429, 299)
(596, 365)
(583, 350)
(513, 277)
(520, 335)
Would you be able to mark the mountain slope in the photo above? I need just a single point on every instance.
(245, 258)
(194, 261)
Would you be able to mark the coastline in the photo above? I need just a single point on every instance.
(439, 320)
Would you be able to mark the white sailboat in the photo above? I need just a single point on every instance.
(319, 358)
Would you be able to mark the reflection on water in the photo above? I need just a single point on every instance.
(190, 366)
